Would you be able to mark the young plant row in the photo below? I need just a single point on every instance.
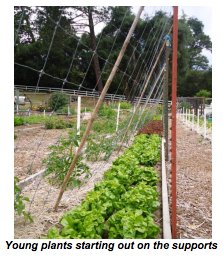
(122, 205)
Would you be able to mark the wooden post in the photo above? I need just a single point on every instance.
(98, 105)
(144, 89)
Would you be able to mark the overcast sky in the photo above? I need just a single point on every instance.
(203, 13)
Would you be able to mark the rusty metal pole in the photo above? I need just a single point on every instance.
(174, 98)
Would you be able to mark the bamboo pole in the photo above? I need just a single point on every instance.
(98, 105)
(144, 89)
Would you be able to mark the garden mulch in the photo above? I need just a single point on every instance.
(194, 184)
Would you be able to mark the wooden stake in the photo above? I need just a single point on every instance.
(144, 89)
(98, 105)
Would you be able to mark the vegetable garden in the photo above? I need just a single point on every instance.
(87, 167)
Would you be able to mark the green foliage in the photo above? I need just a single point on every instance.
(131, 224)
(157, 117)
(19, 205)
(64, 110)
(203, 93)
(185, 105)
(125, 198)
(106, 111)
(142, 196)
(58, 123)
(146, 151)
(41, 108)
(59, 161)
(57, 100)
(87, 109)
(15, 136)
(99, 150)
(34, 119)
(159, 110)
(18, 121)
(124, 105)
(37, 29)
(49, 124)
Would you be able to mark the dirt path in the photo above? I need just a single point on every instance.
(194, 184)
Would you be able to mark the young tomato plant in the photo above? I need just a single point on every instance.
(59, 161)
(19, 205)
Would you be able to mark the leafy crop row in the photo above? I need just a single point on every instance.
(122, 205)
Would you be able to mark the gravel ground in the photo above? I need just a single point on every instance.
(194, 184)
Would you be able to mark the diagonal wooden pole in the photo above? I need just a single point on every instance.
(98, 105)
(144, 89)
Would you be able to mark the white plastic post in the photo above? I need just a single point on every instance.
(117, 117)
(134, 108)
(186, 116)
(44, 113)
(84, 111)
(68, 111)
(17, 108)
(193, 120)
(183, 114)
(198, 114)
(78, 115)
(204, 123)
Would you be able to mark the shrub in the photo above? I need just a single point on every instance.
(69, 124)
(15, 136)
(57, 100)
(203, 93)
(34, 119)
(124, 105)
(41, 108)
(106, 111)
(65, 110)
(49, 124)
(59, 124)
(87, 109)
(18, 121)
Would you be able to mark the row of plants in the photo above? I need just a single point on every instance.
(59, 123)
(121, 205)
(34, 119)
